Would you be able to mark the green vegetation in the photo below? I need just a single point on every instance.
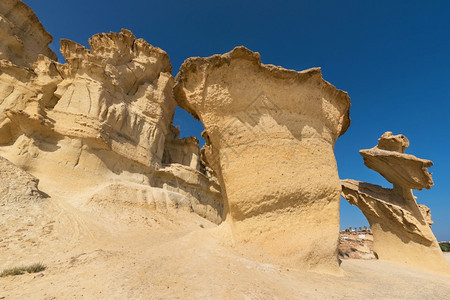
(355, 229)
(34, 268)
(445, 246)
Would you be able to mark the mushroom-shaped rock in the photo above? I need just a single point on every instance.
(270, 136)
(400, 169)
(400, 226)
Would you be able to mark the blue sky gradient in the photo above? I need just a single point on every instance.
(392, 57)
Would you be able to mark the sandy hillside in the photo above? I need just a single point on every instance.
(116, 251)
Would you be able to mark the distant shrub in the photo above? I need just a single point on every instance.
(445, 246)
(34, 268)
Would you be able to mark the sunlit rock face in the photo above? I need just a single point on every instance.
(116, 96)
(184, 151)
(17, 186)
(400, 226)
(99, 122)
(270, 135)
(123, 88)
(22, 36)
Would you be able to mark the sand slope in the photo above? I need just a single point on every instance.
(115, 251)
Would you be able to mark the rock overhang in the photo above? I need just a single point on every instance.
(251, 59)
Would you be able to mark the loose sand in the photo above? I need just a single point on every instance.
(114, 251)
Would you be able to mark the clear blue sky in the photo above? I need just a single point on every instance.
(392, 57)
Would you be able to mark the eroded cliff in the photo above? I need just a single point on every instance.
(98, 121)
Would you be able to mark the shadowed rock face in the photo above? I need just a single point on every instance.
(270, 135)
(400, 226)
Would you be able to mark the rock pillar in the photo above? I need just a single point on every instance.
(400, 226)
(270, 138)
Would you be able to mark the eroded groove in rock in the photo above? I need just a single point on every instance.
(91, 98)
(102, 118)
(270, 134)
(400, 226)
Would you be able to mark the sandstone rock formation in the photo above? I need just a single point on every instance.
(426, 212)
(400, 226)
(184, 151)
(98, 186)
(101, 120)
(114, 102)
(270, 134)
(22, 36)
(404, 171)
(122, 103)
(16, 185)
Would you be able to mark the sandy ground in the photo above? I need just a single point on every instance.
(106, 250)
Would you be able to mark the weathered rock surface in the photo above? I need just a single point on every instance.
(270, 134)
(114, 102)
(203, 192)
(103, 101)
(16, 185)
(400, 169)
(426, 212)
(22, 36)
(400, 226)
(23, 208)
(100, 119)
(184, 151)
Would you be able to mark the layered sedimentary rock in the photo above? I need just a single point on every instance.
(400, 226)
(98, 121)
(203, 192)
(184, 151)
(116, 97)
(185, 173)
(402, 170)
(269, 135)
(22, 36)
(426, 212)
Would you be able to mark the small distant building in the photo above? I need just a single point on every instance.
(362, 236)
